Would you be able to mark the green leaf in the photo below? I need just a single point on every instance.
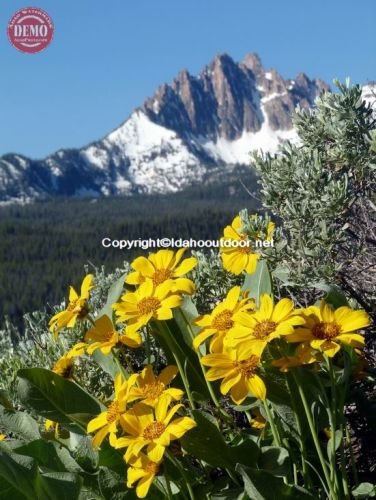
(337, 438)
(5, 400)
(259, 282)
(185, 315)
(56, 398)
(113, 487)
(8, 491)
(335, 296)
(111, 458)
(19, 423)
(83, 452)
(173, 341)
(50, 455)
(274, 460)
(206, 442)
(113, 296)
(364, 490)
(61, 485)
(107, 362)
(21, 476)
(260, 485)
(19, 472)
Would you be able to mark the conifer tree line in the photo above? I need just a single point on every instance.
(44, 246)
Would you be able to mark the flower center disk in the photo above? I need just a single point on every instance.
(161, 275)
(326, 331)
(112, 412)
(148, 305)
(263, 329)
(152, 468)
(153, 391)
(223, 321)
(154, 430)
(248, 366)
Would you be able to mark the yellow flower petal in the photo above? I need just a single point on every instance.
(142, 489)
(257, 387)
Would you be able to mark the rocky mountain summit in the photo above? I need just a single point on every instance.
(189, 128)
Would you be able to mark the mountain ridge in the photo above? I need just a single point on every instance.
(188, 127)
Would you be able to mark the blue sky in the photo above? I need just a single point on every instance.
(107, 57)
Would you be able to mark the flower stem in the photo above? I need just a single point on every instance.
(147, 345)
(177, 464)
(168, 486)
(353, 463)
(303, 451)
(315, 439)
(208, 384)
(164, 328)
(272, 424)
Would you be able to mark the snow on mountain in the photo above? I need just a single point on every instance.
(188, 129)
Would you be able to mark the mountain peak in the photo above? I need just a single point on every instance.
(196, 122)
(253, 62)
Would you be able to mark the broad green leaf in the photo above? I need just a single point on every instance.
(61, 485)
(5, 400)
(56, 398)
(111, 458)
(116, 290)
(22, 475)
(112, 485)
(172, 340)
(49, 454)
(83, 452)
(337, 443)
(260, 485)
(107, 362)
(274, 460)
(113, 296)
(20, 423)
(259, 282)
(364, 491)
(8, 491)
(206, 442)
(335, 296)
(185, 315)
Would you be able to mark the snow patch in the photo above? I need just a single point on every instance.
(96, 156)
(238, 152)
(159, 160)
(272, 96)
(369, 94)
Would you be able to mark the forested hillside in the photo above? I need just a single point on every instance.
(44, 245)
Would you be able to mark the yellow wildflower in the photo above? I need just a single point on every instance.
(254, 331)
(141, 470)
(105, 337)
(304, 355)
(241, 255)
(161, 266)
(258, 421)
(150, 388)
(107, 421)
(146, 303)
(221, 319)
(153, 428)
(326, 329)
(64, 365)
(238, 370)
(76, 309)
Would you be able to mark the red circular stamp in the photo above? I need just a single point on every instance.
(30, 30)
